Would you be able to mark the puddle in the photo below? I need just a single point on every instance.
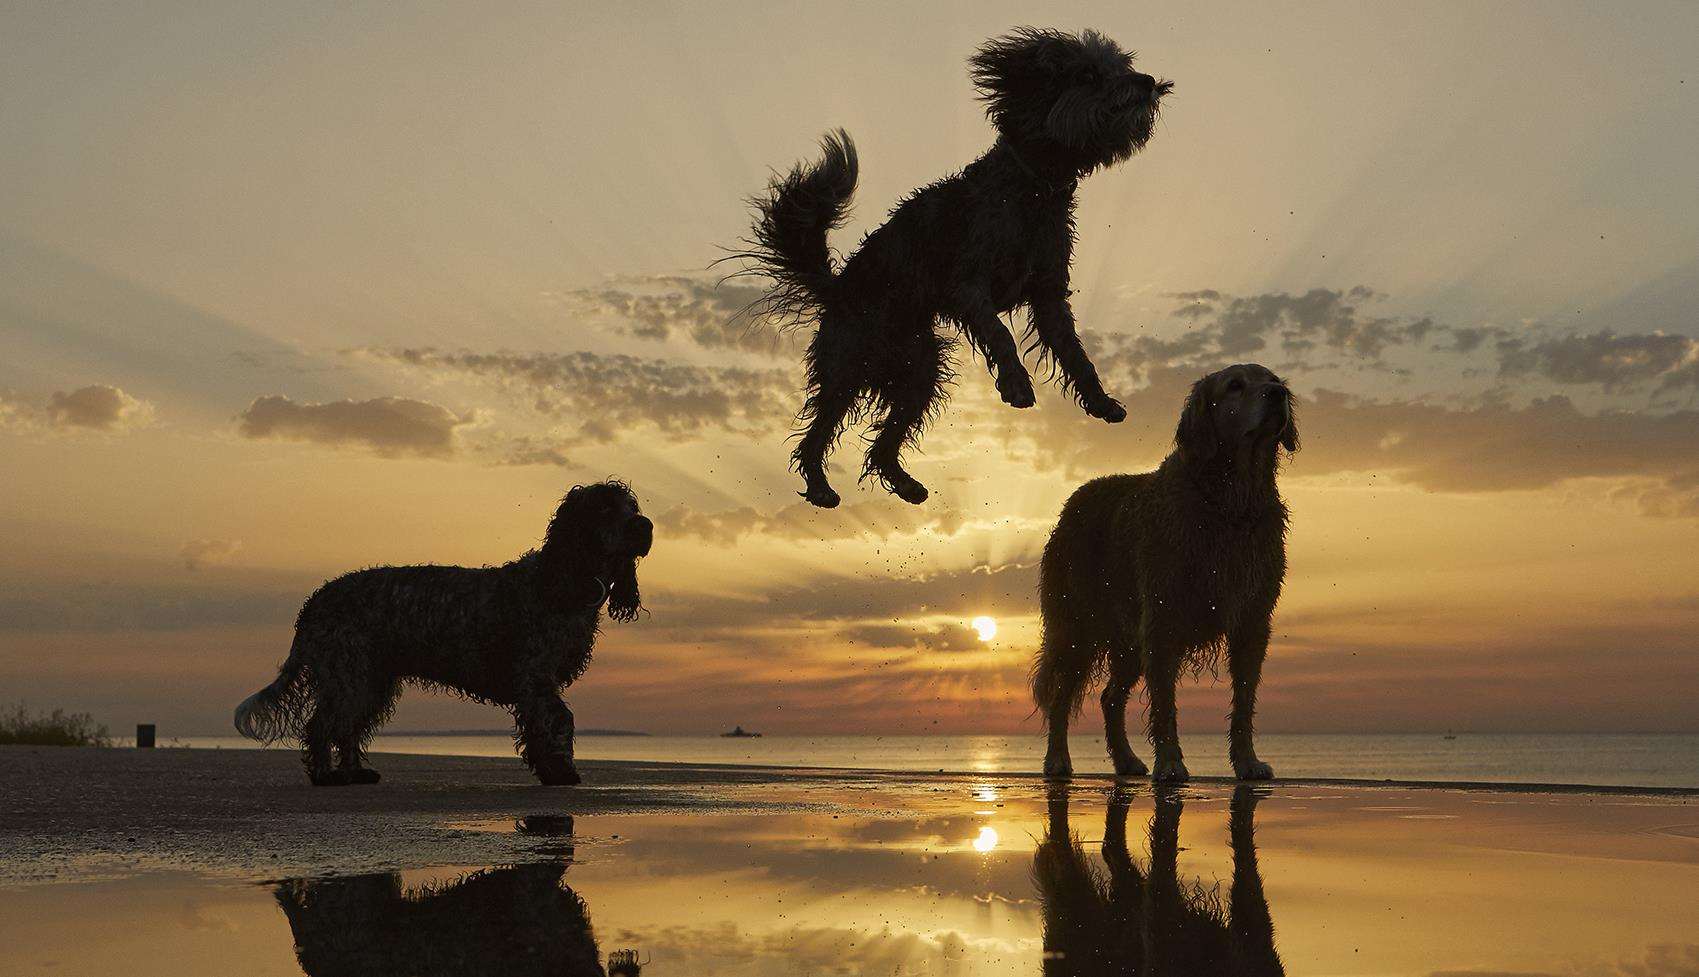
(966, 880)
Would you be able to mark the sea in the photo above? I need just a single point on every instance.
(1609, 759)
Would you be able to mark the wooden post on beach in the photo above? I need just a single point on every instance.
(144, 736)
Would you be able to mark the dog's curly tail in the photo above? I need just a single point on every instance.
(792, 221)
(278, 710)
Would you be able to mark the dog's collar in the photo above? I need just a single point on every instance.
(602, 598)
(1045, 185)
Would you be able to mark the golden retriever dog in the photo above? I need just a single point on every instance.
(1147, 576)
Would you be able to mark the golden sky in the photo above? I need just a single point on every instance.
(287, 291)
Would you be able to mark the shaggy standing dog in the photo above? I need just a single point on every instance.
(967, 249)
(1151, 575)
(512, 635)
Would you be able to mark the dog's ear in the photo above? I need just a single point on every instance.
(1196, 434)
(624, 600)
(1004, 68)
(1289, 437)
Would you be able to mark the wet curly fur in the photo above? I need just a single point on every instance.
(1150, 921)
(513, 635)
(965, 250)
(1148, 576)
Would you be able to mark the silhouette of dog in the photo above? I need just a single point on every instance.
(1150, 575)
(1150, 922)
(513, 921)
(513, 635)
(965, 249)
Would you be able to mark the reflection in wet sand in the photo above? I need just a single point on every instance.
(1150, 922)
(513, 921)
(932, 877)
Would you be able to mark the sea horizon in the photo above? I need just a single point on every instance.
(1629, 759)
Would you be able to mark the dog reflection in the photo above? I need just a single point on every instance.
(1126, 921)
(512, 921)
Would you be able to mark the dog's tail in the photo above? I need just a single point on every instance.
(1067, 660)
(792, 221)
(278, 710)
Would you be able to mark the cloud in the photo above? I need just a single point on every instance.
(391, 427)
(96, 407)
(521, 450)
(941, 637)
(707, 312)
(607, 395)
(198, 553)
(877, 519)
(1486, 446)
(1615, 362)
(1287, 327)
(1229, 327)
(1496, 446)
(853, 599)
(112, 606)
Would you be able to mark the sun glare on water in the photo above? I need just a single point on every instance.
(986, 626)
(986, 841)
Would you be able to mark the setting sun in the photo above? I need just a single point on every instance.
(986, 626)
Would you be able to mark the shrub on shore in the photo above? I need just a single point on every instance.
(20, 727)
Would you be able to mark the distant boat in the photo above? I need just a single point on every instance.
(738, 732)
(1450, 735)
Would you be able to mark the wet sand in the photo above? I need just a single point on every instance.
(185, 861)
(72, 814)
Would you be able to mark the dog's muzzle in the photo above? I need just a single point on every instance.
(1276, 411)
(640, 532)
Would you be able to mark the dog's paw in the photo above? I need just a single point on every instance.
(1129, 766)
(1016, 390)
(1252, 770)
(558, 772)
(330, 778)
(1171, 771)
(821, 496)
(909, 490)
(363, 776)
(1107, 408)
(1058, 767)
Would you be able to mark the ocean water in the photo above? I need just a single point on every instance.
(1616, 759)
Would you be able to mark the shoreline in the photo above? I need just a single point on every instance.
(84, 813)
(816, 770)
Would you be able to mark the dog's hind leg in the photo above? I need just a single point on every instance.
(836, 381)
(1053, 324)
(909, 393)
(317, 745)
(1067, 657)
(1124, 670)
(356, 731)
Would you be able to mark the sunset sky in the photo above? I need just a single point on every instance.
(287, 290)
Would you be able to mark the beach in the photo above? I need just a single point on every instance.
(180, 861)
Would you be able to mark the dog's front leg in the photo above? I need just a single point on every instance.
(1251, 923)
(1246, 649)
(1053, 322)
(987, 331)
(1161, 674)
(545, 738)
